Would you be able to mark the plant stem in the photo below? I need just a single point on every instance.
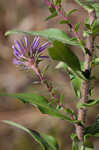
(50, 90)
(85, 84)
(43, 80)
(62, 13)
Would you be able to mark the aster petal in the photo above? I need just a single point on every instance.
(43, 56)
(35, 44)
(26, 42)
(16, 61)
(43, 47)
(22, 44)
(16, 52)
(18, 46)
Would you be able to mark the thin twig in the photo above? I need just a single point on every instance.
(50, 88)
(62, 13)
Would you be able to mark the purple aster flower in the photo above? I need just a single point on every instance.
(29, 55)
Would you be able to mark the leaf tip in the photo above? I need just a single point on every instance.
(7, 33)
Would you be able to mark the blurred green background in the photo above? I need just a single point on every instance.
(30, 15)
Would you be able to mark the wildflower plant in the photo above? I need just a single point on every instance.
(29, 55)
(80, 73)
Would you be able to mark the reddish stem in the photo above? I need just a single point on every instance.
(62, 13)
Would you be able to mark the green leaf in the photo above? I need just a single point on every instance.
(77, 26)
(90, 103)
(78, 145)
(91, 91)
(89, 5)
(64, 22)
(96, 7)
(52, 9)
(54, 14)
(95, 27)
(51, 141)
(87, 25)
(52, 34)
(71, 12)
(95, 61)
(86, 5)
(69, 70)
(61, 52)
(76, 84)
(57, 2)
(41, 102)
(61, 65)
(47, 142)
(61, 98)
(74, 77)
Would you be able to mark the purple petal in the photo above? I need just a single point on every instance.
(16, 61)
(44, 46)
(43, 56)
(16, 52)
(35, 44)
(23, 47)
(22, 44)
(26, 42)
(18, 45)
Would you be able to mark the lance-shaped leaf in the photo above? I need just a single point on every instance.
(41, 102)
(95, 27)
(76, 84)
(77, 74)
(95, 5)
(77, 26)
(47, 142)
(54, 14)
(75, 79)
(71, 12)
(69, 60)
(52, 34)
(86, 5)
(89, 5)
(62, 52)
(90, 103)
(64, 22)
